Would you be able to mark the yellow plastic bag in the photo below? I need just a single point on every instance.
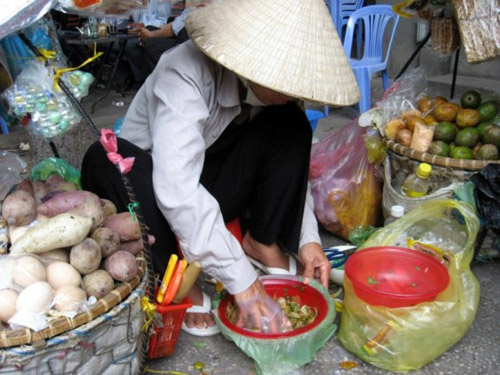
(407, 338)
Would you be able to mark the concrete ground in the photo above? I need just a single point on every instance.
(477, 353)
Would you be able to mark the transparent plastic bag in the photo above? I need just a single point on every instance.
(29, 294)
(344, 186)
(281, 356)
(407, 338)
(11, 167)
(33, 94)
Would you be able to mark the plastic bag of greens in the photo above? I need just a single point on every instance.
(282, 355)
(407, 338)
(58, 166)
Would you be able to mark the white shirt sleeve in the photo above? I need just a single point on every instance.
(178, 155)
(309, 231)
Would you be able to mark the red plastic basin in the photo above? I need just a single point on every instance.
(395, 276)
(276, 288)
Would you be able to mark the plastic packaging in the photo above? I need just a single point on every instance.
(99, 8)
(397, 212)
(33, 94)
(11, 167)
(418, 334)
(344, 185)
(279, 356)
(487, 195)
(58, 166)
(20, 14)
(417, 184)
(27, 297)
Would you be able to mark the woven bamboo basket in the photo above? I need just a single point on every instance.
(11, 338)
(109, 344)
(443, 182)
(437, 160)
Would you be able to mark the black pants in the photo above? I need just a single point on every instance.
(258, 168)
(142, 59)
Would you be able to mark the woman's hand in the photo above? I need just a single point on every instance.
(316, 265)
(257, 310)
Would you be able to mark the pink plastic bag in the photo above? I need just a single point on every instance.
(346, 191)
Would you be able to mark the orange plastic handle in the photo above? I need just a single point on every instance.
(175, 282)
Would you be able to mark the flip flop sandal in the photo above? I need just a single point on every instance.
(337, 256)
(202, 332)
(291, 271)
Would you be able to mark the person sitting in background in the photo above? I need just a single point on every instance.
(157, 15)
(155, 42)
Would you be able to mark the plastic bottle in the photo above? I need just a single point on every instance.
(397, 211)
(416, 184)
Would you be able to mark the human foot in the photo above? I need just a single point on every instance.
(272, 260)
(199, 321)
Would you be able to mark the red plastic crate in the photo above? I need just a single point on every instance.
(164, 339)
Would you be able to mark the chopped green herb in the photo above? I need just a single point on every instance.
(199, 365)
(371, 281)
(200, 344)
(417, 268)
(301, 288)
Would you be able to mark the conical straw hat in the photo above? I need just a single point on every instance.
(290, 46)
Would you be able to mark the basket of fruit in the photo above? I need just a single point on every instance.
(438, 132)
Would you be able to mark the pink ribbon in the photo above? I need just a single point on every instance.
(110, 144)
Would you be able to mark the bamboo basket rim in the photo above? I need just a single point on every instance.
(435, 159)
(25, 336)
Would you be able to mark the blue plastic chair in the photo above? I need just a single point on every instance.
(3, 126)
(375, 19)
(340, 11)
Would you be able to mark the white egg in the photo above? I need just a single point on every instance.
(35, 298)
(28, 270)
(61, 255)
(8, 299)
(63, 274)
(69, 298)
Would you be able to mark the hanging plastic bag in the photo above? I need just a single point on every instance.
(18, 53)
(407, 338)
(343, 183)
(283, 355)
(487, 195)
(33, 94)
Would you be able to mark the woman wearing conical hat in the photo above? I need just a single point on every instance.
(218, 134)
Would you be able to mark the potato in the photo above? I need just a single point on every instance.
(63, 230)
(26, 186)
(98, 283)
(108, 207)
(136, 246)
(107, 239)
(19, 208)
(17, 232)
(124, 225)
(57, 183)
(60, 274)
(63, 202)
(69, 298)
(121, 265)
(86, 256)
(39, 191)
(92, 209)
